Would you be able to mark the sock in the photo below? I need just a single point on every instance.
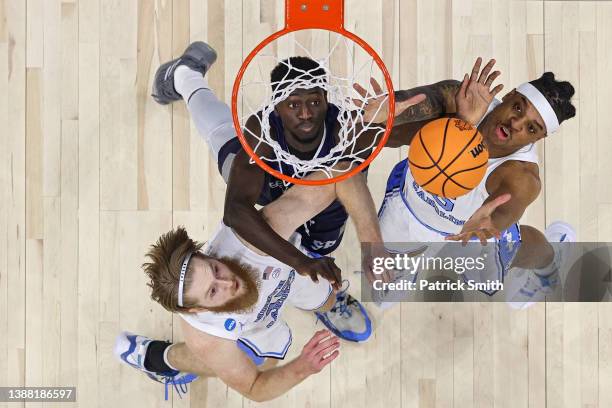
(213, 120)
(547, 270)
(166, 358)
(554, 265)
(154, 357)
(187, 81)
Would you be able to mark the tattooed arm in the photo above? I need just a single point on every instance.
(439, 102)
(467, 100)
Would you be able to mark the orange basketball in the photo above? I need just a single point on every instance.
(447, 157)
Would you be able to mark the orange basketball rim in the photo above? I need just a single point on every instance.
(313, 14)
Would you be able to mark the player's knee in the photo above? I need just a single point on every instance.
(531, 235)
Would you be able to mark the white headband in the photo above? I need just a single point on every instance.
(542, 105)
(182, 279)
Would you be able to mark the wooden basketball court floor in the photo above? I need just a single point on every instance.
(92, 171)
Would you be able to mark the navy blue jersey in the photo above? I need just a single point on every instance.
(323, 233)
(275, 187)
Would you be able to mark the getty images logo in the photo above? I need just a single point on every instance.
(477, 150)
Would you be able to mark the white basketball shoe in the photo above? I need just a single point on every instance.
(347, 319)
(535, 287)
(131, 350)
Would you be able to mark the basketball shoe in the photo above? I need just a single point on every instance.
(348, 318)
(199, 57)
(131, 349)
(534, 286)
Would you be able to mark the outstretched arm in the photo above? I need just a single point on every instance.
(414, 109)
(241, 373)
(439, 102)
(512, 187)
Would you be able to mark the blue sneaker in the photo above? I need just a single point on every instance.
(131, 349)
(347, 319)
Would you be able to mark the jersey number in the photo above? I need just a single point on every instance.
(446, 203)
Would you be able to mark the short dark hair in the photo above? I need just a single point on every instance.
(295, 67)
(558, 94)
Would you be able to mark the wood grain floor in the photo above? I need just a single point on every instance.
(92, 171)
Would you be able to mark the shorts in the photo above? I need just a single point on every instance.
(323, 233)
(274, 342)
(250, 353)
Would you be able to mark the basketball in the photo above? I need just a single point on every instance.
(447, 157)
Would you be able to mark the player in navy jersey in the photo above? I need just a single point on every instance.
(305, 124)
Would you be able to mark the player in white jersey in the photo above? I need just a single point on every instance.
(491, 211)
(231, 297)
(305, 122)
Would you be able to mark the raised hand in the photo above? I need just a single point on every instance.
(320, 350)
(475, 94)
(324, 267)
(376, 107)
(480, 224)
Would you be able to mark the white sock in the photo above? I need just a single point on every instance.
(187, 81)
(166, 358)
(552, 267)
(547, 270)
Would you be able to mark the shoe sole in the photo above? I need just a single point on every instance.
(199, 51)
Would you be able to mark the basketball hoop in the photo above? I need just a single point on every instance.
(314, 15)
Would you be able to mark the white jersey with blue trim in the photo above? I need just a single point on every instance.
(447, 216)
(262, 329)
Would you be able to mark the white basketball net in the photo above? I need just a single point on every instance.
(358, 66)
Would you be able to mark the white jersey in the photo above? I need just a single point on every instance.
(410, 217)
(447, 216)
(262, 330)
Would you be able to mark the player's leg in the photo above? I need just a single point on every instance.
(535, 251)
(345, 316)
(181, 358)
(184, 78)
(173, 364)
(301, 203)
(536, 268)
(340, 312)
(150, 357)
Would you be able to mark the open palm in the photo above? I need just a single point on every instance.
(475, 94)
(480, 224)
(376, 107)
